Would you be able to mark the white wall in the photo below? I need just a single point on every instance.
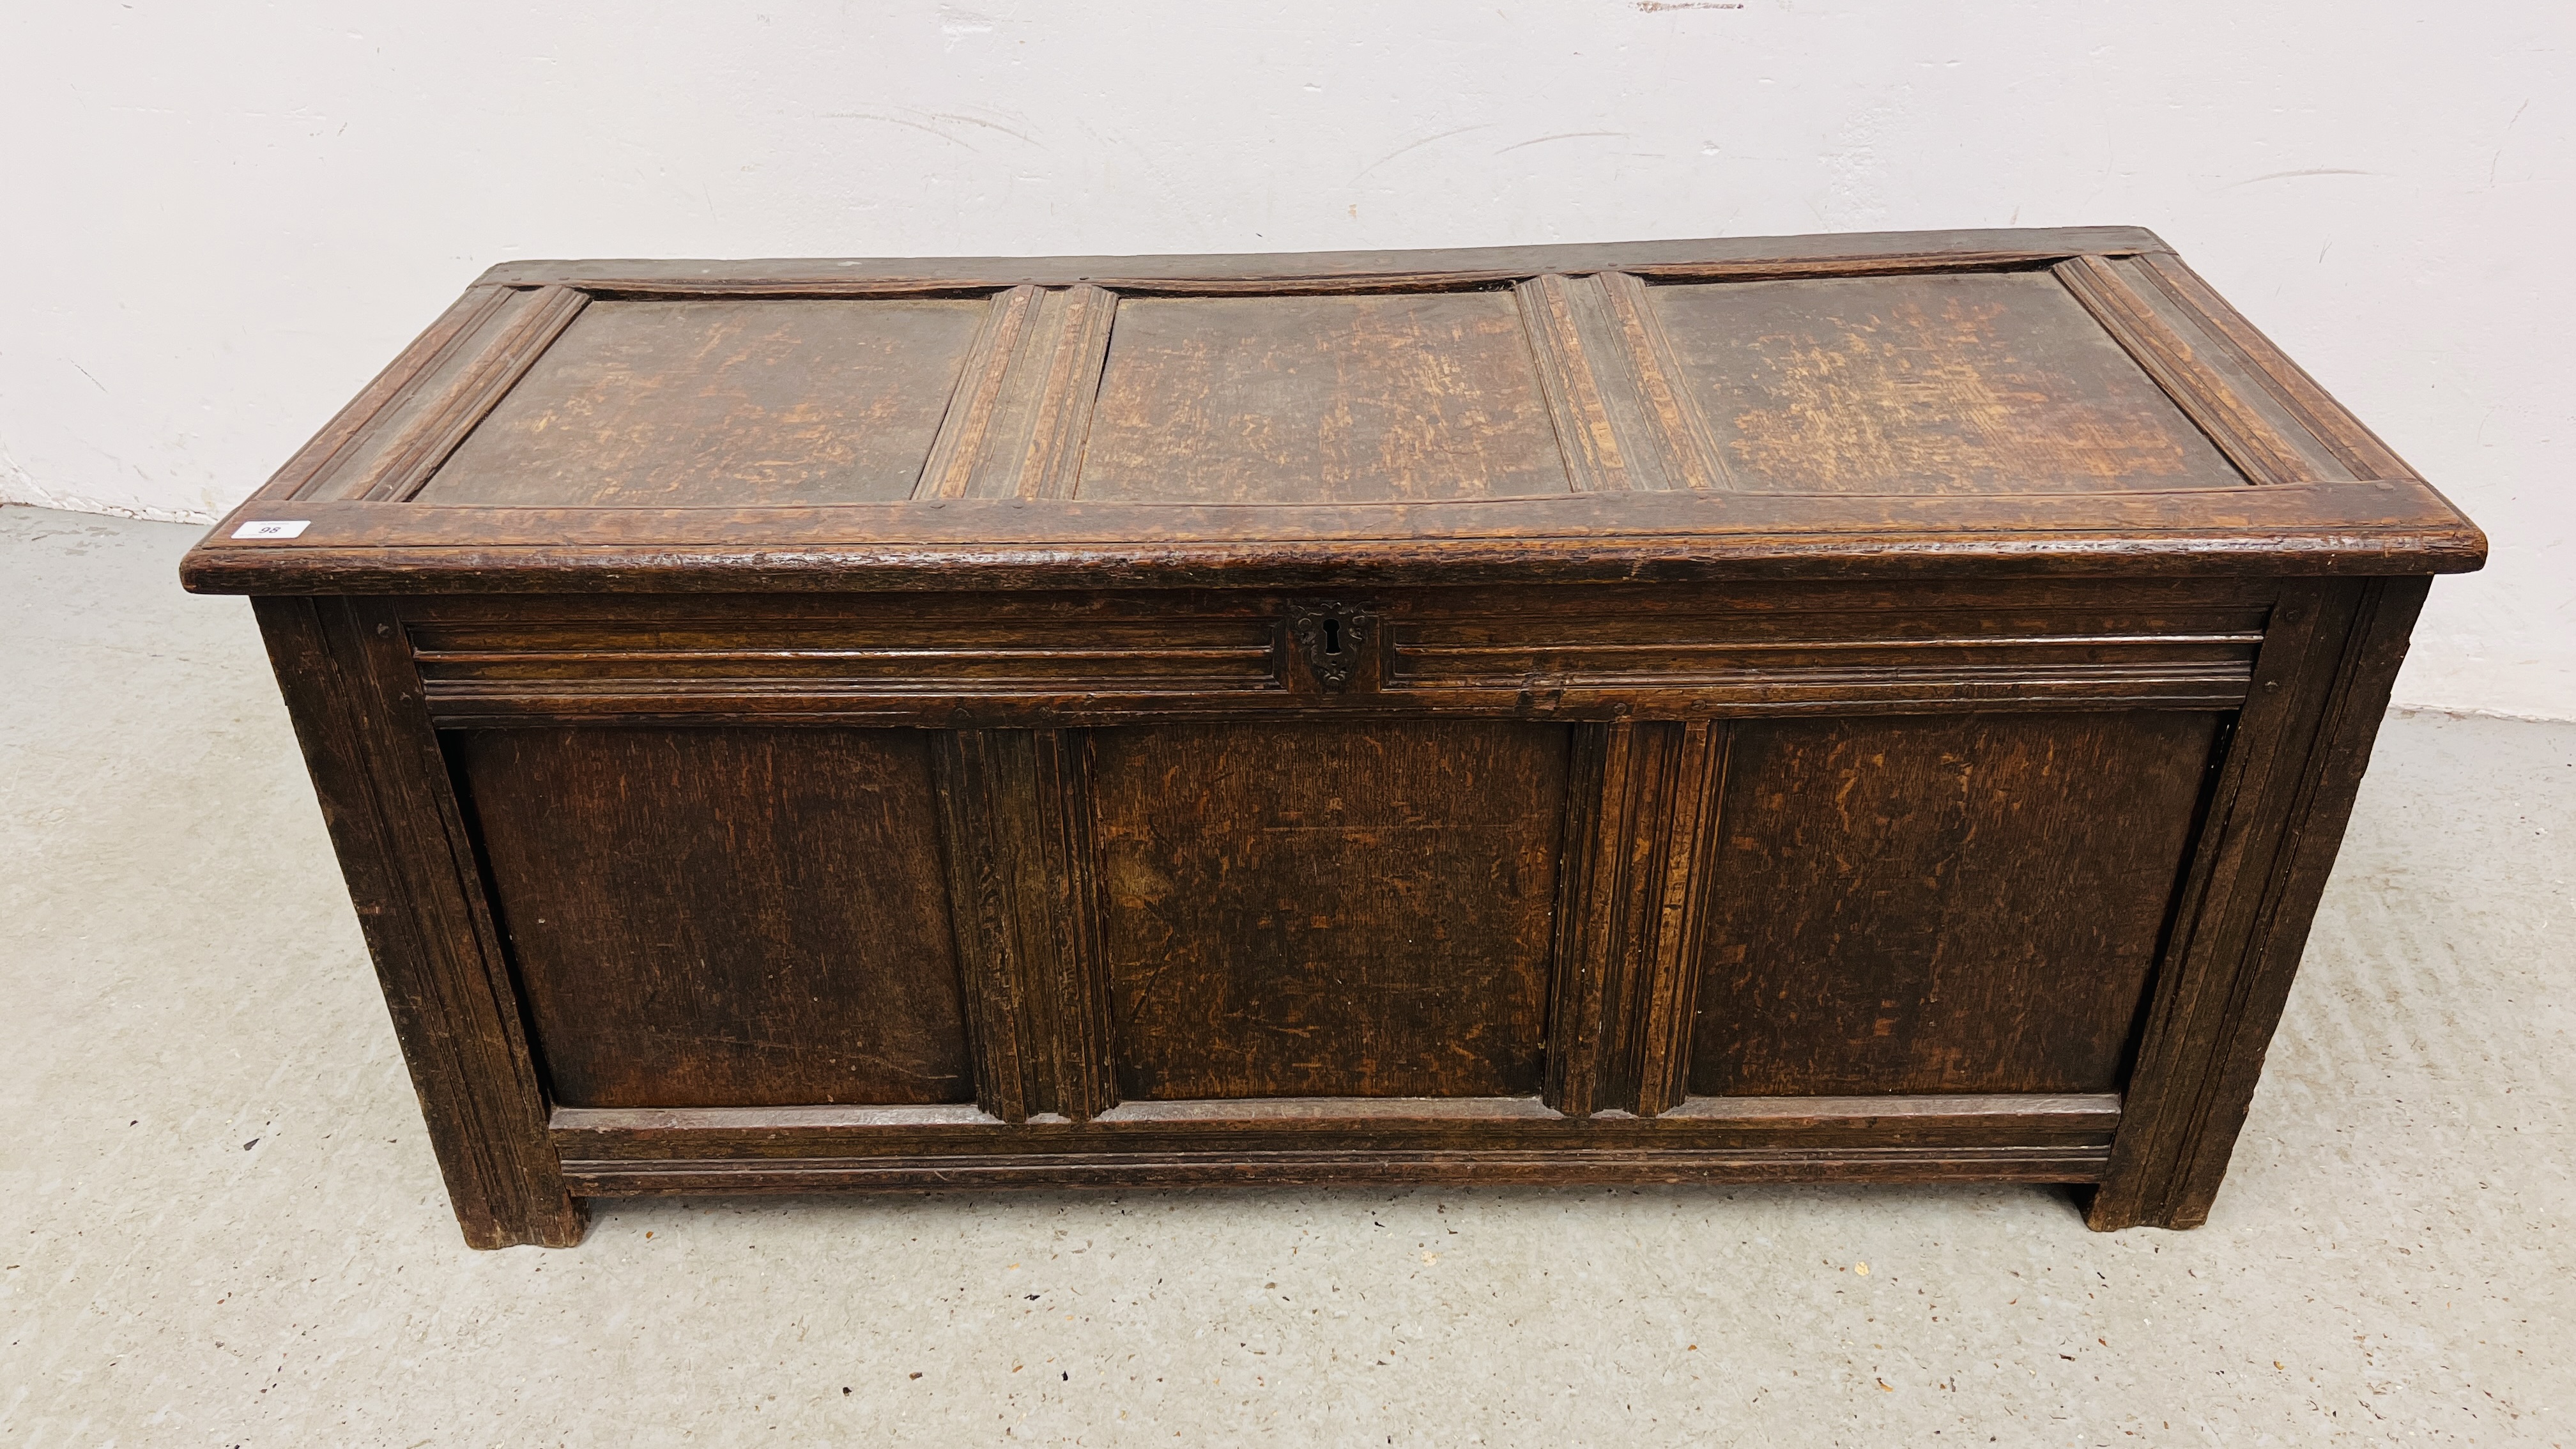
(221, 219)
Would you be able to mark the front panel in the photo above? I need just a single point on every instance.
(1678, 872)
(1940, 903)
(722, 917)
(1329, 910)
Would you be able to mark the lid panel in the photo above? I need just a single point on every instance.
(1991, 382)
(718, 401)
(1306, 399)
(1884, 407)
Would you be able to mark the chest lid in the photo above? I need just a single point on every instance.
(2071, 401)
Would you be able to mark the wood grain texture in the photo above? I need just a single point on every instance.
(692, 404)
(1534, 653)
(1941, 905)
(1659, 411)
(1979, 383)
(1043, 415)
(1625, 413)
(1966, 415)
(2276, 819)
(1681, 876)
(1883, 1120)
(1345, 1139)
(982, 381)
(2231, 417)
(411, 876)
(441, 421)
(724, 917)
(329, 453)
(2232, 380)
(2357, 449)
(1627, 416)
(1021, 865)
(1320, 400)
(413, 427)
(1329, 910)
(1021, 417)
(1633, 890)
(1551, 1165)
(2380, 526)
(1831, 649)
(1587, 439)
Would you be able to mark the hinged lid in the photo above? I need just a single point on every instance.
(1854, 406)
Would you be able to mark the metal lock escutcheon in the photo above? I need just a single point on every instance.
(1332, 641)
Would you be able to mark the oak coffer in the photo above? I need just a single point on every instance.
(1854, 707)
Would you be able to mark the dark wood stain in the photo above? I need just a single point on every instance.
(1826, 708)
(724, 917)
(1329, 910)
(1961, 904)
(2251, 891)
(1026, 901)
(1638, 868)
(383, 788)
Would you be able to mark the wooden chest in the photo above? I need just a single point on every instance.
(1864, 707)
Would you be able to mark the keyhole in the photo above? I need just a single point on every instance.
(1332, 636)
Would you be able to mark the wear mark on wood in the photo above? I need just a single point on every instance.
(1672, 423)
(367, 419)
(1593, 462)
(1321, 399)
(721, 403)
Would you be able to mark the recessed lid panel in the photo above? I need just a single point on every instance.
(719, 401)
(1982, 382)
(1421, 395)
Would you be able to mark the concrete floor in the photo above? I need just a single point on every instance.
(222, 1225)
